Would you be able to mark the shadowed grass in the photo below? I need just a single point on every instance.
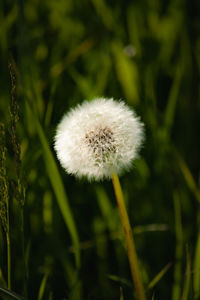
(186, 286)
(196, 267)
(159, 276)
(59, 190)
(177, 283)
(146, 53)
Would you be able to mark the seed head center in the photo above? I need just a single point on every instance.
(101, 142)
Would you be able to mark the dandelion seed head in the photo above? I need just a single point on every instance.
(98, 138)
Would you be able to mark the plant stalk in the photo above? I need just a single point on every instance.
(23, 253)
(8, 247)
(131, 251)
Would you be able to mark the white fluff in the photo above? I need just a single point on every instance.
(98, 138)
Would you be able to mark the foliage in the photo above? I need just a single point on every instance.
(66, 240)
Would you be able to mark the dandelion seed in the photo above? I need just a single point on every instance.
(98, 138)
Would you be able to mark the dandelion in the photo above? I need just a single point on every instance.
(98, 138)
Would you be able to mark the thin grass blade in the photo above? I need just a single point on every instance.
(107, 209)
(42, 286)
(188, 177)
(120, 280)
(127, 73)
(176, 290)
(121, 294)
(159, 276)
(186, 287)
(59, 190)
(10, 294)
(172, 100)
(196, 279)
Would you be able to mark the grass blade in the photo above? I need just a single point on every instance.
(186, 287)
(172, 100)
(127, 73)
(188, 177)
(158, 277)
(121, 294)
(107, 209)
(10, 294)
(196, 280)
(176, 290)
(120, 280)
(59, 190)
(42, 286)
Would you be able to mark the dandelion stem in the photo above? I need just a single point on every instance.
(131, 251)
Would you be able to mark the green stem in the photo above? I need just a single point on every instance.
(131, 251)
(23, 252)
(176, 289)
(8, 247)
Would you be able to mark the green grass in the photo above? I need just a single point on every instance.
(65, 234)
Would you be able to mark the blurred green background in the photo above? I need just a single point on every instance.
(63, 52)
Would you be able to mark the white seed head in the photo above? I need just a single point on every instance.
(98, 138)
